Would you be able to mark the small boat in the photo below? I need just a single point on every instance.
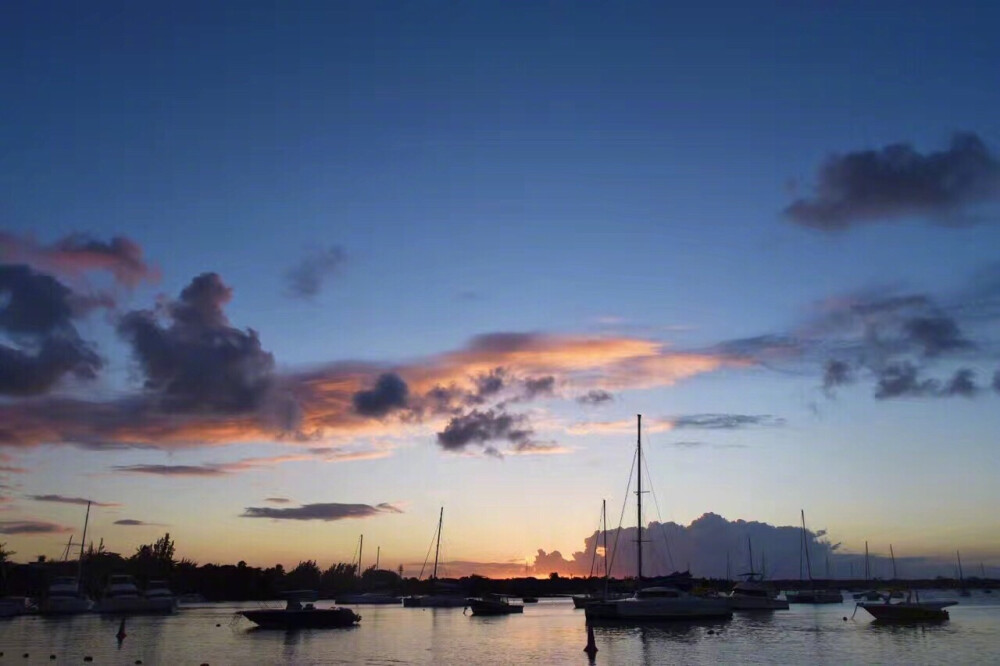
(911, 610)
(299, 615)
(494, 604)
(660, 603)
(14, 606)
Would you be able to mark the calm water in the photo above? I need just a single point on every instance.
(550, 632)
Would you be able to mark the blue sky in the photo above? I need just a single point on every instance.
(614, 184)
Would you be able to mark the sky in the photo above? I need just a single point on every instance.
(277, 275)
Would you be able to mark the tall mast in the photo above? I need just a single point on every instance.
(867, 571)
(378, 554)
(961, 578)
(79, 567)
(604, 519)
(893, 556)
(805, 546)
(361, 548)
(638, 504)
(750, 551)
(438, 548)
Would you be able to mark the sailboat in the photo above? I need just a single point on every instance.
(911, 609)
(65, 595)
(442, 595)
(753, 593)
(814, 595)
(372, 597)
(654, 604)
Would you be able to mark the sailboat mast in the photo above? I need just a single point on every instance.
(893, 556)
(867, 571)
(638, 504)
(805, 546)
(79, 566)
(378, 554)
(437, 549)
(961, 578)
(750, 552)
(604, 519)
(361, 548)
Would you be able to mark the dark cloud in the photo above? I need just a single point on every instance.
(962, 383)
(198, 362)
(688, 444)
(31, 527)
(487, 386)
(390, 393)
(277, 500)
(478, 428)
(326, 512)
(36, 313)
(902, 380)
(534, 387)
(306, 279)
(132, 522)
(121, 257)
(172, 470)
(836, 373)
(897, 181)
(69, 500)
(595, 397)
(726, 421)
(936, 335)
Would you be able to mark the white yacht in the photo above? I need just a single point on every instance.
(65, 598)
(159, 598)
(121, 596)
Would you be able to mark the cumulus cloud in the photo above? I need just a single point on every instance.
(480, 427)
(61, 499)
(79, 253)
(323, 511)
(197, 361)
(898, 181)
(306, 278)
(36, 314)
(31, 527)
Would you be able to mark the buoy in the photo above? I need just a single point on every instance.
(711, 632)
(138, 661)
(52, 656)
(88, 659)
(844, 618)
(121, 631)
(217, 624)
(591, 644)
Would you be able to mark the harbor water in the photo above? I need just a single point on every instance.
(549, 632)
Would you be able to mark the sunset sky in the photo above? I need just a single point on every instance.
(275, 275)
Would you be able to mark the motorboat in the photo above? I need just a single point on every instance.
(582, 600)
(14, 606)
(910, 610)
(494, 604)
(158, 598)
(121, 596)
(64, 597)
(659, 603)
(301, 613)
